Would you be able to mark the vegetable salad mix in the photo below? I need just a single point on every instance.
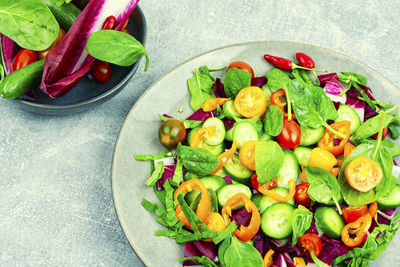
(281, 170)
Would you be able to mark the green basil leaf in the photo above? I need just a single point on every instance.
(269, 160)
(197, 160)
(371, 127)
(189, 124)
(236, 80)
(277, 79)
(242, 254)
(116, 47)
(201, 260)
(350, 77)
(273, 120)
(200, 87)
(29, 23)
(301, 222)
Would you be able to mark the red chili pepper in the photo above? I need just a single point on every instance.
(305, 60)
(279, 62)
(109, 23)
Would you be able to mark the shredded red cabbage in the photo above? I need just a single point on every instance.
(199, 248)
(279, 261)
(228, 124)
(259, 81)
(327, 77)
(200, 115)
(168, 174)
(241, 217)
(331, 249)
(288, 260)
(228, 179)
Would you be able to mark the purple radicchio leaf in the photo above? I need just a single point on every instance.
(168, 174)
(327, 77)
(218, 88)
(228, 124)
(8, 51)
(200, 115)
(259, 81)
(242, 217)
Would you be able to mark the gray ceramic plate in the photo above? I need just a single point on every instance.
(169, 94)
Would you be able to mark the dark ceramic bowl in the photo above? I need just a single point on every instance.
(89, 93)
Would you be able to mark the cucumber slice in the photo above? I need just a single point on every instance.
(392, 201)
(237, 170)
(256, 198)
(219, 136)
(289, 170)
(222, 173)
(215, 150)
(329, 221)
(276, 221)
(230, 111)
(302, 154)
(228, 191)
(310, 136)
(266, 202)
(243, 132)
(213, 182)
(347, 113)
(189, 175)
(191, 134)
(265, 137)
(229, 135)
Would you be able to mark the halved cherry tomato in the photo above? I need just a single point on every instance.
(101, 71)
(301, 195)
(348, 148)
(308, 243)
(171, 132)
(332, 143)
(290, 135)
(214, 222)
(250, 101)
(351, 214)
(268, 186)
(384, 134)
(242, 66)
(322, 158)
(363, 174)
(43, 54)
(247, 154)
(23, 58)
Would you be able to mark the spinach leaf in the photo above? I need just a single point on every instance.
(236, 80)
(116, 47)
(197, 160)
(349, 77)
(200, 87)
(371, 126)
(317, 261)
(301, 75)
(394, 131)
(201, 260)
(323, 186)
(156, 175)
(187, 123)
(222, 248)
(207, 71)
(277, 79)
(269, 160)
(29, 23)
(301, 222)
(273, 120)
(242, 254)
(387, 145)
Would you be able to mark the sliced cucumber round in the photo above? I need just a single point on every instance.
(230, 111)
(228, 191)
(266, 202)
(219, 135)
(213, 182)
(391, 201)
(302, 154)
(276, 221)
(329, 221)
(265, 137)
(215, 150)
(229, 135)
(289, 170)
(347, 113)
(310, 136)
(237, 170)
(243, 132)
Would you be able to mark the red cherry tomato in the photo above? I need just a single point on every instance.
(301, 195)
(290, 135)
(384, 134)
(351, 214)
(242, 66)
(109, 23)
(23, 58)
(101, 71)
(308, 243)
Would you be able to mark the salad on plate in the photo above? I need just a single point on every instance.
(288, 169)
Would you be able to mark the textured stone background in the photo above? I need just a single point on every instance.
(55, 194)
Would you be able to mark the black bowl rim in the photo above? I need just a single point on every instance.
(98, 98)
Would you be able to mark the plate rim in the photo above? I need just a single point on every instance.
(128, 116)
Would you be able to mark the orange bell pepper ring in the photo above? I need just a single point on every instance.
(202, 134)
(268, 260)
(373, 209)
(278, 197)
(299, 262)
(303, 175)
(348, 148)
(225, 157)
(332, 143)
(212, 103)
(204, 206)
(353, 233)
(279, 99)
(244, 233)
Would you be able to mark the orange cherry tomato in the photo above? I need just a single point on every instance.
(301, 195)
(351, 214)
(202, 134)
(384, 134)
(363, 174)
(242, 66)
(43, 54)
(308, 243)
(23, 58)
(373, 209)
(267, 186)
(322, 158)
(268, 258)
(247, 154)
(250, 101)
(214, 222)
(348, 148)
(332, 143)
(290, 135)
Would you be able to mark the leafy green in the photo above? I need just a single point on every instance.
(317, 261)
(227, 232)
(187, 123)
(205, 70)
(277, 79)
(371, 126)
(29, 23)
(301, 222)
(301, 75)
(269, 159)
(241, 254)
(116, 47)
(1, 73)
(273, 120)
(387, 145)
(222, 248)
(200, 87)
(161, 155)
(323, 186)
(156, 175)
(178, 173)
(197, 160)
(394, 131)
(348, 77)
(236, 80)
(202, 260)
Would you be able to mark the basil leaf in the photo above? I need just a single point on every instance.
(156, 175)
(371, 127)
(29, 23)
(301, 222)
(116, 47)
(323, 186)
(200, 87)
(277, 79)
(187, 123)
(269, 160)
(197, 160)
(242, 254)
(201, 260)
(273, 120)
(236, 80)
(350, 77)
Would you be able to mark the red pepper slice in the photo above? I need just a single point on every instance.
(335, 144)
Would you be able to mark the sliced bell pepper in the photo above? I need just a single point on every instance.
(278, 197)
(373, 209)
(348, 148)
(303, 175)
(322, 158)
(353, 233)
(204, 205)
(202, 134)
(332, 143)
(279, 99)
(225, 157)
(299, 262)
(269, 185)
(335, 171)
(268, 260)
(244, 233)
(212, 103)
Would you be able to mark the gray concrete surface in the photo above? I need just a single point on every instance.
(56, 204)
